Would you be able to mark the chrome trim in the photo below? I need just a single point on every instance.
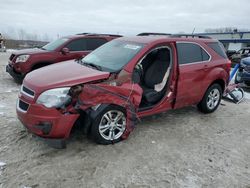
(19, 109)
(27, 94)
(210, 57)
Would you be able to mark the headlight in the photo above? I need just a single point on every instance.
(22, 58)
(54, 97)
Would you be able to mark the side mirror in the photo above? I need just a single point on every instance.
(65, 51)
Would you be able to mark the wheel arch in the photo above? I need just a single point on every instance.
(84, 121)
(40, 65)
(221, 82)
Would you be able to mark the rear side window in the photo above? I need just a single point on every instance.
(218, 48)
(77, 45)
(191, 53)
(93, 43)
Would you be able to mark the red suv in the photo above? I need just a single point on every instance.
(66, 48)
(121, 81)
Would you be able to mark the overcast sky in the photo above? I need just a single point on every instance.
(63, 17)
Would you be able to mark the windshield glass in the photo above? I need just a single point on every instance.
(113, 55)
(55, 44)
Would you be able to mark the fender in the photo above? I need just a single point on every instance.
(40, 64)
(127, 96)
(215, 74)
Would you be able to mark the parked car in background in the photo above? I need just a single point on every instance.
(2, 47)
(242, 53)
(125, 79)
(243, 74)
(22, 62)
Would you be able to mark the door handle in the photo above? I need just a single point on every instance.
(205, 67)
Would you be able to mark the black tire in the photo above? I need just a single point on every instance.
(95, 133)
(203, 106)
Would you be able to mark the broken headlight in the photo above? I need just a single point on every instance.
(54, 97)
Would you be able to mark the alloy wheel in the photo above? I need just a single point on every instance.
(112, 125)
(213, 98)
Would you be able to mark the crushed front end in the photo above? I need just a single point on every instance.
(44, 121)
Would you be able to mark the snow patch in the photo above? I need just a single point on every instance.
(2, 166)
(10, 50)
(247, 95)
(11, 90)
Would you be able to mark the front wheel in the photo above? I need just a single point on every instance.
(211, 99)
(109, 126)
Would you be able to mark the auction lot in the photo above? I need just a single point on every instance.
(181, 148)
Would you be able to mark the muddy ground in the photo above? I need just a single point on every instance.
(181, 148)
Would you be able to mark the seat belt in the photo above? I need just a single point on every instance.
(160, 86)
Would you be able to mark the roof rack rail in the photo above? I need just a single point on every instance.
(94, 34)
(149, 34)
(190, 36)
(82, 33)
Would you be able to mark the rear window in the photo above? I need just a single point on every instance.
(191, 53)
(218, 48)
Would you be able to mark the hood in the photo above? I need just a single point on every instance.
(62, 74)
(246, 61)
(29, 51)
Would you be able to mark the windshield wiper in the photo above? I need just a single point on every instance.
(97, 67)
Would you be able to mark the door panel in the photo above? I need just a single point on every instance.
(193, 62)
(189, 86)
(71, 55)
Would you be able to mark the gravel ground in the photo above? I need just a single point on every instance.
(181, 148)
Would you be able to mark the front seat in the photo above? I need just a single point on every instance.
(154, 75)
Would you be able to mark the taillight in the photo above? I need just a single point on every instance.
(228, 65)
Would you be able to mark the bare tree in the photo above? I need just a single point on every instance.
(21, 34)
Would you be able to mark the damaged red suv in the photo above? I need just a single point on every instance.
(22, 62)
(125, 79)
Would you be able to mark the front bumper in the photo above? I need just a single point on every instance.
(17, 76)
(44, 122)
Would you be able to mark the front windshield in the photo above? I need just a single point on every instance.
(55, 44)
(113, 55)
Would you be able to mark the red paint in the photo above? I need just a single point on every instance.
(43, 57)
(187, 85)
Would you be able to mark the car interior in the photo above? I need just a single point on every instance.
(152, 73)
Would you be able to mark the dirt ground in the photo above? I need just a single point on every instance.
(181, 148)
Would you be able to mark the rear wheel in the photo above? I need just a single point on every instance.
(211, 99)
(109, 125)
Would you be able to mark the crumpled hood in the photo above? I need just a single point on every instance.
(29, 51)
(62, 74)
